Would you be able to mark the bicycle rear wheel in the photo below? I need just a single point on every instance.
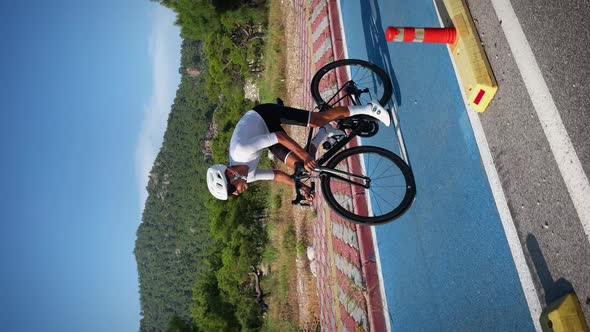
(386, 195)
(354, 82)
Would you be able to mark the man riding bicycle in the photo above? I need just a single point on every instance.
(262, 128)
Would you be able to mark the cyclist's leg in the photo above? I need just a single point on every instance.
(324, 132)
(270, 114)
(320, 119)
(291, 160)
(273, 114)
(288, 158)
(374, 109)
(283, 154)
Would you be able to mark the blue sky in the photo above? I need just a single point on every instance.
(85, 91)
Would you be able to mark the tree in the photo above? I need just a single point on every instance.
(179, 325)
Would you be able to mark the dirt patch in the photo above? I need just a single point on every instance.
(306, 286)
(302, 304)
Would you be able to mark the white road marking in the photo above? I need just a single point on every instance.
(524, 274)
(563, 150)
(381, 280)
(514, 243)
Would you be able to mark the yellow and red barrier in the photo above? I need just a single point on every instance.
(473, 69)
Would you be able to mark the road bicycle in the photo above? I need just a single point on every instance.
(364, 184)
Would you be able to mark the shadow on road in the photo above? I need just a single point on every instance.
(377, 51)
(553, 289)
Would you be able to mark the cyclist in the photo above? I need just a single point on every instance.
(261, 128)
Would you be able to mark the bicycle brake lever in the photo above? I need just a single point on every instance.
(298, 171)
(300, 200)
(299, 197)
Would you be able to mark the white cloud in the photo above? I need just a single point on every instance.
(164, 52)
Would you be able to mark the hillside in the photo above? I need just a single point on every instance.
(173, 238)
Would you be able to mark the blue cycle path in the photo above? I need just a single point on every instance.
(446, 263)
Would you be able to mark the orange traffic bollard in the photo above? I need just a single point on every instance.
(421, 35)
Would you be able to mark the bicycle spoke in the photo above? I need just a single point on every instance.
(387, 194)
(384, 200)
(387, 188)
(387, 177)
(333, 91)
(358, 80)
(376, 167)
(378, 206)
(392, 186)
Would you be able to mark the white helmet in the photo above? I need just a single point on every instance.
(217, 182)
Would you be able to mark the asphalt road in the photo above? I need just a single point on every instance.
(455, 262)
(446, 262)
(556, 248)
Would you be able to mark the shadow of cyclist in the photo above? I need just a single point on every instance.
(553, 289)
(377, 51)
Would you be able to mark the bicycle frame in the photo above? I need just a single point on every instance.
(330, 87)
(340, 144)
(353, 94)
(336, 173)
(330, 153)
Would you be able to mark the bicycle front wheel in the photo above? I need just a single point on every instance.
(370, 186)
(354, 82)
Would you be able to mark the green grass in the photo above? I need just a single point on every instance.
(276, 201)
(300, 249)
(272, 84)
(269, 255)
(283, 283)
(279, 326)
(290, 238)
(283, 235)
(313, 215)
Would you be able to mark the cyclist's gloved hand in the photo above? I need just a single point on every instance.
(309, 163)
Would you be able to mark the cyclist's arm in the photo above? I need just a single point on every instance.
(275, 175)
(283, 177)
(261, 174)
(268, 174)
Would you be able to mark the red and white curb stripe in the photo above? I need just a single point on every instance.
(342, 277)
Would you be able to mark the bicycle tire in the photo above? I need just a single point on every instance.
(356, 210)
(364, 74)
